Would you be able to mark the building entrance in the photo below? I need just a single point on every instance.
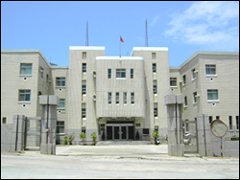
(120, 131)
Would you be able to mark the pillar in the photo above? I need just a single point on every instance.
(17, 143)
(174, 115)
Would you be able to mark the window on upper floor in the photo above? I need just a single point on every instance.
(61, 103)
(210, 119)
(117, 97)
(124, 98)
(173, 81)
(153, 55)
(154, 89)
(212, 94)
(41, 72)
(84, 67)
(131, 73)
(210, 69)
(109, 73)
(84, 113)
(60, 81)
(120, 73)
(195, 97)
(26, 68)
(84, 89)
(4, 120)
(193, 74)
(230, 122)
(132, 98)
(184, 79)
(155, 112)
(237, 122)
(84, 55)
(185, 101)
(24, 95)
(109, 98)
(154, 67)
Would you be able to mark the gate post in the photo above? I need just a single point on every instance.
(174, 114)
(204, 135)
(17, 143)
(49, 120)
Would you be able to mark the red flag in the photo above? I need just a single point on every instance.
(121, 39)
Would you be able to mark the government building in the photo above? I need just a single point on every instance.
(119, 98)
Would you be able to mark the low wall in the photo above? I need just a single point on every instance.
(6, 137)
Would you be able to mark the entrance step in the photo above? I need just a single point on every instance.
(109, 143)
(192, 155)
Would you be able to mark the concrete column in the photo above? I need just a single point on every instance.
(49, 120)
(204, 135)
(17, 143)
(175, 145)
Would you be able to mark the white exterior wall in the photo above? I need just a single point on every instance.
(113, 85)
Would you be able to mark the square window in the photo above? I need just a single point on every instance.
(210, 69)
(212, 94)
(173, 81)
(60, 127)
(26, 68)
(120, 73)
(24, 95)
(60, 81)
(4, 120)
(62, 103)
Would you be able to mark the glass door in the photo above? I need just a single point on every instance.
(116, 132)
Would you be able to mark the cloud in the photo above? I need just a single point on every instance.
(207, 23)
(154, 21)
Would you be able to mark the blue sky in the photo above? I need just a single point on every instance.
(183, 27)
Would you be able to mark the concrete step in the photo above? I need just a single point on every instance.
(107, 143)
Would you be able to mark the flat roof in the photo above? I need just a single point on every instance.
(119, 58)
(85, 48)
(26, 51)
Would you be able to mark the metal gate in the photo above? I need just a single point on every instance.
(32, 139)
(190, 139)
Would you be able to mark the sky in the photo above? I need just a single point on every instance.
(183, 26)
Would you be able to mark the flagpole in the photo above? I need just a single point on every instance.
(120, 47)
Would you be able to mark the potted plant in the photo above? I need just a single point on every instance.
(94, 137)
(82, 136)
(155, 136)
(71, 138)
(65, 140)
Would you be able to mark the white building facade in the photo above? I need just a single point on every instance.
(119, 98)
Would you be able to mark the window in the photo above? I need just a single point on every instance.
(154, 89)
(109, 98)
(62, 103)
(4, 120)
(193, 74)
(124, 98)
(120, 73)
(60, 127)
(84, 89)
(84, 129)
(173, 81)
(60, 81)
(132, 98)
(109, 73)
(230, 122)
(41, 72)
(47, 78)
(195, 97)
(210, 119)
(210, 69)
(185, 100)
(155, 112)
(84, 67)
(154, 67)
(117, 97)
(212, 94)
(237, 122)
(24, 95)
(145, 131)
(217, 117)
(184, 79)
(131, 73)
(83, 112)
(153, 55)
(84, 55)
(26, 69)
